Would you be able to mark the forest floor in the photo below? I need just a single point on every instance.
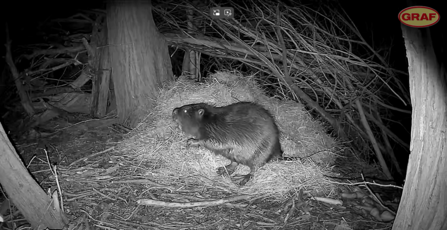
(93, 198)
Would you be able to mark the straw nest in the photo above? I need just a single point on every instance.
(160, 148)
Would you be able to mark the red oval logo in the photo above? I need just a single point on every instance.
(419, 16)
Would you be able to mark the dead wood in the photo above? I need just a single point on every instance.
(150, 202)
(53, 91)
(24, 99)
(50, 52)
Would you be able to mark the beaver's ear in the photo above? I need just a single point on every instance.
(200, 112)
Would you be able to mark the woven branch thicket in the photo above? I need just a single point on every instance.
(316, 56)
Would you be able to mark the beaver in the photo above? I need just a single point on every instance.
(244, 132)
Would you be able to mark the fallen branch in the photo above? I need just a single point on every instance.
(47, 91)
(158, 203)
(55, 51)
(369, 183)
(52, 69)
(328, 200)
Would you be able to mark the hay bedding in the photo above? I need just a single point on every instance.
(158, 145)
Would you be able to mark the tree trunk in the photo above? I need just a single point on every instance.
(139, 58)
(424, 200)
(23, 190)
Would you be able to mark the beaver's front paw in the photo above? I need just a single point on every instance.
(245, 179)
(192, 143)
(225, 171)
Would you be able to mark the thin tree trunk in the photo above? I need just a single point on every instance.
(424, 200)
(23, 190)
(101, 82)
(24, 99)
(139, 58)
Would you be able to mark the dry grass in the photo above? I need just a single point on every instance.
(105, 188)
(160, 146)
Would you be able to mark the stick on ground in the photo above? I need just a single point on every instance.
(150, 202)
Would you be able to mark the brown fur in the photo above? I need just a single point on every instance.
(244, 132)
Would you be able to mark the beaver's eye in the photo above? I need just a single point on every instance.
(185, 111)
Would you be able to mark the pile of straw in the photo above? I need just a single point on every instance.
(160, 146)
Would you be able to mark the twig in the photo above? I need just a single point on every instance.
(30, 161)
(102, 194)
(54, 172)
(81, 122)
(52, 69)
(59, 188)
(133, 212)
(370, 183)
(328, 200)
(143, 181)
(290, 212)
(77, 196)
(377, 199)
(158, 203)
(92, 155)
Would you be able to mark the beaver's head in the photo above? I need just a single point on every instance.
(189, 118)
